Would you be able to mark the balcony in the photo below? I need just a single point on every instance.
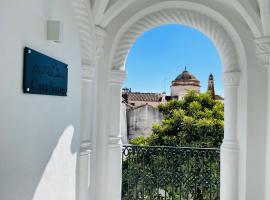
(170, 173)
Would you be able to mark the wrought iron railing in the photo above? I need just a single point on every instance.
(170, 173)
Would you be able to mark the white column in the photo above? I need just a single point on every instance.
(114, 139)
(229, 148)
(84, 167)
(86, 164)
(100, 146)
(262, 48)
(88, 161)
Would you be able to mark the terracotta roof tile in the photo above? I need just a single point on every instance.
(138, 96)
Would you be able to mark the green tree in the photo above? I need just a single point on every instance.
(195, 121)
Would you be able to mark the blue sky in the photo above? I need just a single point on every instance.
(159, 55)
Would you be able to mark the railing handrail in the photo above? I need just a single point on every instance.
(171, 147)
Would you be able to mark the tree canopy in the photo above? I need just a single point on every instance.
(195, 121)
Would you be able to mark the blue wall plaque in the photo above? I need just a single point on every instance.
(44, 75)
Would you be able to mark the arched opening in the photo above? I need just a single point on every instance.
(232, 61)
(170, 160)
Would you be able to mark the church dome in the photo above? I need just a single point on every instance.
(186, 76)
(186, 79)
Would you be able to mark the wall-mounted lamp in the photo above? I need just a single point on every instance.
(54, 31)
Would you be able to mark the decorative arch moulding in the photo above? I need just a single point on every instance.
(231, 78)
(118, 77)
(194, 19)
(82, 13)
(262, 49)
(88, 71)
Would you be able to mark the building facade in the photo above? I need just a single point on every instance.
(141, 119)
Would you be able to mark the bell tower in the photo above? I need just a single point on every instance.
(211, 87)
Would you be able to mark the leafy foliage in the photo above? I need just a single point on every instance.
(141, 140)
(195, 121)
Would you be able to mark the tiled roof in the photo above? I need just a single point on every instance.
(134, 108)
(138, 96)
(151, 97)
(186, 76)
(218, 97)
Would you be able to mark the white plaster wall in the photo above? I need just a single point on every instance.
(140, 121)
(256, 127)
(39, 135)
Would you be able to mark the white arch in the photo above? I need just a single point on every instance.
(247, 12)
(232, 53)
(213, 25)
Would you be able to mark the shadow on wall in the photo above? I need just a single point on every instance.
(44, 170)
(59, 169)
(39, 134)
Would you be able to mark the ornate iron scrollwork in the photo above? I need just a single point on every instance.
(170, 173)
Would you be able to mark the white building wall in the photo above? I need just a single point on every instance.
(141, 103)
(39, 135)
(123, 122)
(181, 90)
(141, 120)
